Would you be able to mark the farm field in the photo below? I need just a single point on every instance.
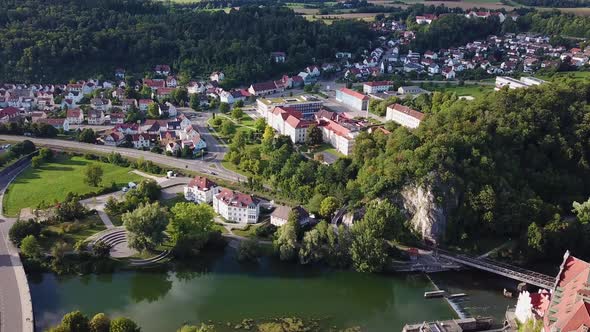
(53, 181)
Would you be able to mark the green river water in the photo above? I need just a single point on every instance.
(220, 289)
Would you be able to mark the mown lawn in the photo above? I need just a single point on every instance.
(53, 181)
(472, 90)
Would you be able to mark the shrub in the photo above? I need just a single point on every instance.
(22, 229)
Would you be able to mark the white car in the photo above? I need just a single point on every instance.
(124, 189)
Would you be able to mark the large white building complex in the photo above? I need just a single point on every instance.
(236, 206)
(355, 100)
(404, 116)
(305, 104)
(512, 83)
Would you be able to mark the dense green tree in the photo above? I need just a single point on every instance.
(227, 128)
(237, 113)
(195, 103)
(30, 247)
(314, 136)
(145, 226)
(190, 226)
(123, 324)
(21, 229)
(328, 206)
(224, 107)
(582, 211)
(100, 323)
(75, 322)
(93, 174)
(260, 125)
(286, 241)
(87, 135)
(153, 111)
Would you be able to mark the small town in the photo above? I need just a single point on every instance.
(349, 166)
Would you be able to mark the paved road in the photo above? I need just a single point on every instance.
(202, 166)
(16, 312)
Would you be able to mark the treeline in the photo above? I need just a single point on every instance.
(557, 23)
(452, 30)
(497, 164)
(60, 40)
(555, 3)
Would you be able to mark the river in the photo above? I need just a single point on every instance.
(220, 289)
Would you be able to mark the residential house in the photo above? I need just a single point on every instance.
(171, 82)
(278, 57)
(113, 139)
(116, 118)
(162, 93)
(56, 123)
(95, 117)
(280, 215)
(143, 141)
(8, 114)
(100, 104)
(201, 190)
(263, 89)
(120, 73)
(216, 76)
(144, 103)
(75, 116)
(235, 206)
(127, 104)
(426, 18)
(163, 70)
(404, 116)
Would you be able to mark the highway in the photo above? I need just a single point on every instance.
(211, 163)
(16, 311)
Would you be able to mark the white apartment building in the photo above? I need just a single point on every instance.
(404, 116)
(236, 206)
(201, 190)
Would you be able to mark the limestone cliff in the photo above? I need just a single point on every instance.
(427, 215)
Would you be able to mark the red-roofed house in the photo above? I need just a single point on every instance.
(354, 99)
(236, 206)
(404, 115)
(200, 190)
(9, 113)
(75, 116)
(265, 88)
(569, 309)
(425, 19)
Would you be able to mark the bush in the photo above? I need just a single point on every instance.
(22, 229)
(123, 324)
(266, 230)
(249, 250)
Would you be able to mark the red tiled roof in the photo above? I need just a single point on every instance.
(74, 113)
(354, 93)
(235, 198)
(264, 86)
(408, 111)
(201, 183)
(378, 83)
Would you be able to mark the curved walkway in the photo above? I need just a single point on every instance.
(16, 307)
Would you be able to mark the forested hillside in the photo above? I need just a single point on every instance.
(57, 40)
(505, 161)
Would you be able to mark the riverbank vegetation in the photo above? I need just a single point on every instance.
(77, 321)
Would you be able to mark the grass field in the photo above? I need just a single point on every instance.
(328, 19)
(576, 75)
(465, 90)
(52, 181)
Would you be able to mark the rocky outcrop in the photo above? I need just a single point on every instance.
(427, 216)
